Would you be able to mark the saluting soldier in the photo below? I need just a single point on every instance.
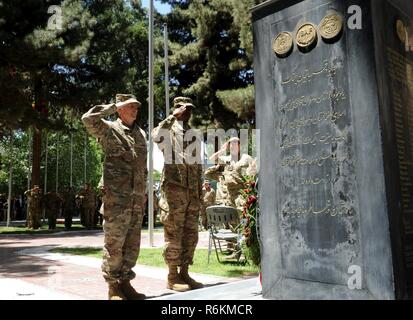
(123, 186)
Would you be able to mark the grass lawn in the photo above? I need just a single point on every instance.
(153, 257)
(44, 229)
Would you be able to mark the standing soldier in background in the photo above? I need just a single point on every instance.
(52, 202)
(69, 206)
(88, 197)
(181, 193)
(35, 203)
(123, 187)
(208, 199)
(229, 172)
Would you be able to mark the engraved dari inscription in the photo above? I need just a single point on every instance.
(308, 74)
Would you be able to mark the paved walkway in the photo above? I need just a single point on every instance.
(29, 271)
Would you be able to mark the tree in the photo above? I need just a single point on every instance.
(212, 59)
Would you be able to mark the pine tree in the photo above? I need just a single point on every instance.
(211, 59)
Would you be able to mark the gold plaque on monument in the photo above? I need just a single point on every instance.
(331, 26)
(401, 31)
(306, 35)
(283, 43)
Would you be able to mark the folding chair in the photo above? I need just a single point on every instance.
(219, 216)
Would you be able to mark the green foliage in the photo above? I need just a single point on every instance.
(157, 176)
(241, 101)
(35, 61)
(211, 59)
(20, 154)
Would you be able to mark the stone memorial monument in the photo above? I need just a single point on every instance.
(334, 96)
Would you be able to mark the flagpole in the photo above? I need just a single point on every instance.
(165, 33)
(150, 122)
(45, 171)
(10, 178)
(71, 159)
(57, 162)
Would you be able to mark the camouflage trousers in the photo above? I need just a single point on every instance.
(51, 215)
(122, 222)
(180, 226)
(34, 218)
(89, 217)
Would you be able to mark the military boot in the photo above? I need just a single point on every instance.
(188, 280)
(115, 292)
(175, 282)
(129, 292)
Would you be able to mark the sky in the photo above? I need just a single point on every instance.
(162, 8)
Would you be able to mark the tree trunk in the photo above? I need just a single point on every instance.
(37, 152)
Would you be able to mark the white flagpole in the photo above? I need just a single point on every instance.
(45, 171)
(71, 159)
(57, 163)
(10, 178)
(150, 122)
(85, 158)
(165, 33)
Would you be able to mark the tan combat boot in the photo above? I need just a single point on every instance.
(115, 292)
(175, 282)
(129, 292)
(188, 280)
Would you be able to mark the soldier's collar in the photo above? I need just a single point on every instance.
(126, 127)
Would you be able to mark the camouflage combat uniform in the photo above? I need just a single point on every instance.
(208, 199)
(229, 174)
(52, 201)
(89, 206)
(34, 207)
(124, 177)
(180, 197)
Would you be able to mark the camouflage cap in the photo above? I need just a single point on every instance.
(125, 99)
(182, 101)
(233, 139)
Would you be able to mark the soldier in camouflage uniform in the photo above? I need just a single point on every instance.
(34, 207)
(89, 204)
(69, 205)
(52, 202)
(229, 172)
(123, 186)
(208, 199)
(181, 195)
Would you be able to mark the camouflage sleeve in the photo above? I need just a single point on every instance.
(200, 170)
(234, 180)
(214, 172)
(163, 125)
(94, 119)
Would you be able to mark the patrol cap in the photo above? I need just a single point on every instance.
(125, 99)
(182, 101)
(233, 139)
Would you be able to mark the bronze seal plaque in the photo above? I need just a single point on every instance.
(306, 35)
(401, 31)
(331, 26)
(282, 44)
